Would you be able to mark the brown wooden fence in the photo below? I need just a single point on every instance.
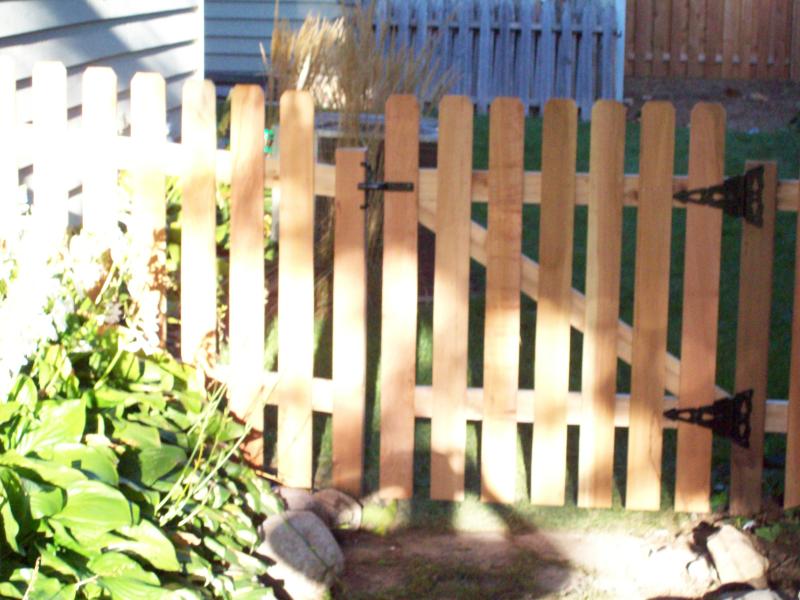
(713, 39)
(441, 201)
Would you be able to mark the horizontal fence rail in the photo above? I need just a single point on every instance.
(441, 201)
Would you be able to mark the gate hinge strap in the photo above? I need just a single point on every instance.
(738, 196)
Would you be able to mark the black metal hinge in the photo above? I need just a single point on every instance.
(739, 196)
(728, 417)
(373, 185)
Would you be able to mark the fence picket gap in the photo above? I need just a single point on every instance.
(752, 346)
(603, 268)
(9, 178)
(651, 296)
(148, 183)
(50, 189)
(451, 299)
(701, 281)
(792, 486)
(246, 280)
(551, 366)
(296, 289)
(99, 122)
(349, 351)
(198, 223)
(399, 298)
(503, 279)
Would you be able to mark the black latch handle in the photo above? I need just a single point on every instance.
(373, 185)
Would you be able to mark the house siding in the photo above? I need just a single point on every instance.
(165, 36)
(234, 30)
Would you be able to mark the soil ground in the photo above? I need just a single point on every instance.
(426, 564)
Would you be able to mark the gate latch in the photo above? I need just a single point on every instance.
(738, 196)
(373, 185)
(728, 417)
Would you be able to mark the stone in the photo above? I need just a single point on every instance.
(307, 557)
(701, 572)
(736, 559)
(303, 499)
(746, 595)
(341, 510)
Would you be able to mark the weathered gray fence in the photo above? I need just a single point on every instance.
(533, 49)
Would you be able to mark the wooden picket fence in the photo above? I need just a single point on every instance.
(441, 201)
(713, 39)
(531, 49)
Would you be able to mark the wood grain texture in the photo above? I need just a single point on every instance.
(451, 299)
(603, 255)
(795, 43)
(651, 297)
(49, 137)
(399, 300)
(792, 486)
(763, 39)
(99, 123)
(747, 37)
(644, 38)
(9, 179)
(551, 363)
(296, 290)
(697, 38)
(701, 280)
(246, 281)
(730, 38)
(198, 223)
(715, 21)
(349, 348)
(501, 337)
(675, 26)
(148, 127)
(752, 346)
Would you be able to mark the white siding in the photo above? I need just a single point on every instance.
(234, 29)
(165, 36)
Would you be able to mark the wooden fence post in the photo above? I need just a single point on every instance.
(603, 267)
(752, 345)
(99, 121)
(503, 279)
(349, 322)
(198, 222)
(148, 129)
(792, 487)
(701, 274)
(399, 299)
(246, 280)
(50, 130)
(9, 178)
(451, 299)
(296, 290)
(651, 299)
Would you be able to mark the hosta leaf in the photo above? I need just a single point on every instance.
(51, 560)
(116, 564)
(14, 508)
(36, 586)
(135, 434)
(98, 461)
(8, 410)
(128, 367)
(158, 462)
(128, 588)
(58, 421)
(149, 542)
(45, 499)
(93, 506)
(34, 468)
(107, 397)
(24, 392)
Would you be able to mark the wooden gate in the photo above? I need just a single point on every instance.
(442, 200)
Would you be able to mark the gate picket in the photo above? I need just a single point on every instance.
(603, 267)
(551, 362)
(503, 280)
(99, 122)
(399, 299)
(349, 323)
(246, 281)
(752, 345)
(701, 274)
(148, 122)
(199, 220)
(451, 299)
(296, 289)
(651, 297)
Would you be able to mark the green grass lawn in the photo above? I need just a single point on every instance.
(782, 146)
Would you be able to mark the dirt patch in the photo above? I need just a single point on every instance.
(750, 105)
